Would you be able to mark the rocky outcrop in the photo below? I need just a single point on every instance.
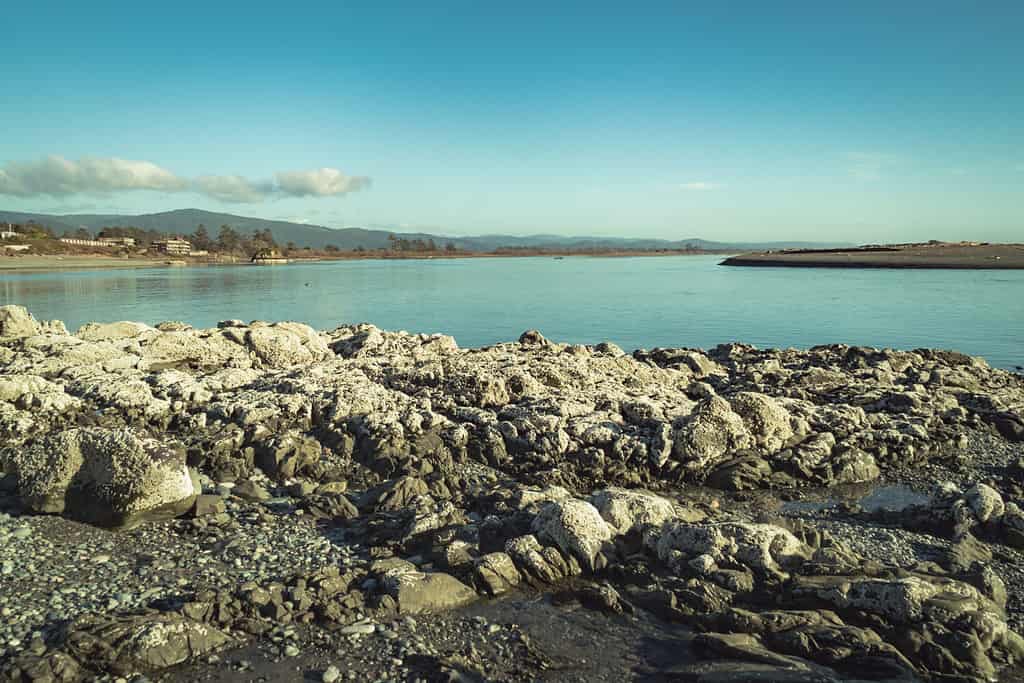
(109, 477)
(457, 473)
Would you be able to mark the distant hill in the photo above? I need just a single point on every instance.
(184, 221)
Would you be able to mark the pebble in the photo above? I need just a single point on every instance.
(331, 674)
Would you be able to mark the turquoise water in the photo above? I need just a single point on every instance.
(634, 302)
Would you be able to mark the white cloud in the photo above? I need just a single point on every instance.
(233, 188)
(57, 176)
(322, 182)
(700, 185)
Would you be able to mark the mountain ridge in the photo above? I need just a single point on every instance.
(185, 221)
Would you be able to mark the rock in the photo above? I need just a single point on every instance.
(331, 674)
(208, 505)
(985, 502)
(108, 477)
(576, 528)
(16, 322)
(533, 338)
(763, 548)
(143, 643)
(740, 474)
(495, 573)
(713, 431)
(418, 592)
(540, 565)
(288, 455)
(250, 490)
(764, 419)
(112, 331)
(627, 510)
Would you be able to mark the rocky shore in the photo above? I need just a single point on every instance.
(264, 501)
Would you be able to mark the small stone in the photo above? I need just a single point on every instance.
(331, 674)
(291, 651)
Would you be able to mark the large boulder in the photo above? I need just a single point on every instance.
(286, 345)
(712, 432)
(417, 592)
(767, 422)
(578, 529)
(108, 477)
(16, 322)
(626, 510)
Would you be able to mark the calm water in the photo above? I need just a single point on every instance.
(634, 302)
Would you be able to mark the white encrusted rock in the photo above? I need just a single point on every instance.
(577, 528)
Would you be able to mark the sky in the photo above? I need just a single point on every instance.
(860, 122)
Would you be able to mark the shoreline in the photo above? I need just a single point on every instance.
(300, 503)
(56, 263)
(916, 256)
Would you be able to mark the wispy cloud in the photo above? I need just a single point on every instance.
(56, 176)
(701, 185)
(870, 165)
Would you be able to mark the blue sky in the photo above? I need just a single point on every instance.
(867, 121)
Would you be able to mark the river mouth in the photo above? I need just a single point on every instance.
(869, 497)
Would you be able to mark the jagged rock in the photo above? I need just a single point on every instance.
(495, 573)
(108, 477)
(762, 547)
(395, 494)
(577, 528)
(764, 419)
(541, 565)
(288, 455)
(140, 643)
(985, 502)
(712, 432)
(16, 322)
(625, 510)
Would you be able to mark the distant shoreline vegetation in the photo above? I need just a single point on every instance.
(232, 245)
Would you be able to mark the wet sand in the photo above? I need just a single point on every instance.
(963, 256)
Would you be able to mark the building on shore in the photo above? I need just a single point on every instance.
(83, 243)
(173, 246)
(199, 252)
(117, 241)
(267, 257)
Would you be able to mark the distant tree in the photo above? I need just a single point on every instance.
(431, 246)
(228, 239)
(359, 248)
(201, 238)
(331, 248)
(80, 234)
(450, 247)
(291, 246)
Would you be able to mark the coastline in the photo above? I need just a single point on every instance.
(942, 256)
(55, 263)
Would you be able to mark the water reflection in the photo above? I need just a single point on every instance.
(635, 302)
